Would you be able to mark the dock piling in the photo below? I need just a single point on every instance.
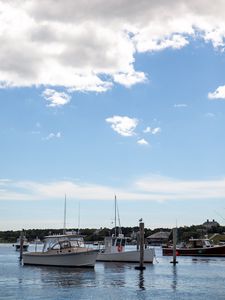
(174, 261)
(141, 265)
(21, 244)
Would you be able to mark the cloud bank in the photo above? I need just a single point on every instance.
(91, 45)
(154, 188)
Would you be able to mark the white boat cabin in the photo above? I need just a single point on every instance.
(199, 243)
(115, 244)
(61, 242)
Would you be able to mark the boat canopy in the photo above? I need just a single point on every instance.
(62, 241)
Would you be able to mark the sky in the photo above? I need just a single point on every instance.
(103, 98)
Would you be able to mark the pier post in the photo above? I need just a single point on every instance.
(174, 261)
(141, 265)
(21, 244)
(138, 240)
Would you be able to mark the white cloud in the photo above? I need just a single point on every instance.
(56, 98)
(147, 130)
(159, 43)
(73, 43)
(180, 105)
(123, 125)
(210, 115)
(219, 93)
(4, 181)
(156, 130)
(154, 188)
(130, 79)
(152, 130)
(142, 142)
(169, 188)
(52, 136)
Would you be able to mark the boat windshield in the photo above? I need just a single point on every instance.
(207, 243)
(61, 245)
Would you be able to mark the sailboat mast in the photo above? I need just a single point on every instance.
(64, 225)
(115, 215)
(79, 217)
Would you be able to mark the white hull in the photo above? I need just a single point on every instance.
(127, 256)
(86, 258)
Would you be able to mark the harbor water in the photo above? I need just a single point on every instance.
(191, 278)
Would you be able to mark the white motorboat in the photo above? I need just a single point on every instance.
(115, 249)
(67, 250)
(25, 243)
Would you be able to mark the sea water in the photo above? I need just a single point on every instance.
(191, 278)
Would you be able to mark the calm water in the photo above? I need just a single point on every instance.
(189, 279)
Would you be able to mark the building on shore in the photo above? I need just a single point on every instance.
(158, 238)
(210, 224)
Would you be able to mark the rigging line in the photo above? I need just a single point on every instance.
(219, 215)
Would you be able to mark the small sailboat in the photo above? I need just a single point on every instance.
(66, 250)
(115, 248)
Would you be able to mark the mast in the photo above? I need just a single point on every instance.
(64, 225)
(115, 215)
(79, 217)
(118, 215)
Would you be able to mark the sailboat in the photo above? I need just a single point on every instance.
(65, 250)
(115, 248)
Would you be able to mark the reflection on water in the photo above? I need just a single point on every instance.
(116, 271)
(174, 277)
(201, 260)
(141, 280)
(63, 276)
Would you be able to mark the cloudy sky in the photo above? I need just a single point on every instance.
(112, 97)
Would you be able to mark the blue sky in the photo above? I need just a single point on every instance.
(107, 98)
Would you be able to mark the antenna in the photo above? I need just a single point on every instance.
(64, 225)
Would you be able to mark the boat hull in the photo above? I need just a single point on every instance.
(69, 259)
(127, 256)
(215, 251)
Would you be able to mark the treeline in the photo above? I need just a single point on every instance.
(90, 234)
(93, 234)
